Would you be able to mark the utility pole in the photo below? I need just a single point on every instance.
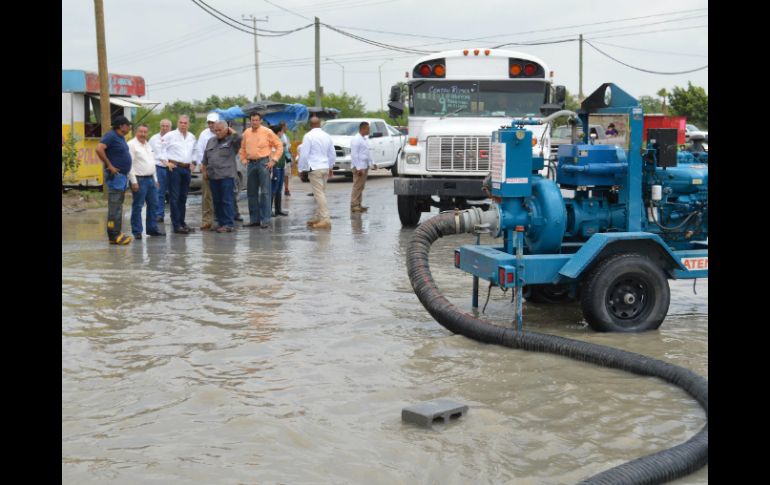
(317, 63)
(379, 68)
(104, 77)
(254, 21)
(580, 72)
(343, 72)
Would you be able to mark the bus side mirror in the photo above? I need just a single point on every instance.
(395, 93)
(559, 95)
(395, 109)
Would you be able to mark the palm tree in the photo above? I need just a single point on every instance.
(663, 94)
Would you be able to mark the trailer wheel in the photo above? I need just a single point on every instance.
(625, 293)
(408, 211)
(549, 294)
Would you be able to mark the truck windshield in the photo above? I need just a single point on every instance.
(479, 98)
(349, 128)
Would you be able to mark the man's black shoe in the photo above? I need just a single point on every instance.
(281, 213)
(189, 229)
(181, 230)
(238, 218)
(156, 233)
(138, 236)
(264, 226)
(252, 224)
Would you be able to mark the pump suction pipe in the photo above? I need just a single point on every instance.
(660, 467)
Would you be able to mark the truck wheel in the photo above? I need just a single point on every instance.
(549, 294)
(408, 211)
(625, 293)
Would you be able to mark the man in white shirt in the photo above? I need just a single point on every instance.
(179, 155)
(360, 160)
(143, 184)
(157, 144)
(318, 156)
(207, 204)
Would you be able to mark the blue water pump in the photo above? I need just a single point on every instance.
(614, 225)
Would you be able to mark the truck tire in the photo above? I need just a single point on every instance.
(408, 211)
(625, 293)
(549, 294)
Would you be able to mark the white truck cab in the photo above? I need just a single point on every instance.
(385, 142)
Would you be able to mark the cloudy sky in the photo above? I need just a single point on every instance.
(185, 53)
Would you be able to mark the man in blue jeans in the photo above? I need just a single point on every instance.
(157, 144)
(113, 152)
(179, 148)
(218, 167)
(144, 184)
(260, 148)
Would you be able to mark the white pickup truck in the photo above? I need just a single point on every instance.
(385, 142)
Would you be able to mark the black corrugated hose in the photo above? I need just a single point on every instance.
(659, 467)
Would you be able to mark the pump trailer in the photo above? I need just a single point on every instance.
(637, 218)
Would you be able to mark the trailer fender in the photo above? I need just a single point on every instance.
(604, 244)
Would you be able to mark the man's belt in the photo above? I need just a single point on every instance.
(143, 176)
(180, 164)
(256, 160)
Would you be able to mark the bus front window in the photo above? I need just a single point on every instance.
(479, 98)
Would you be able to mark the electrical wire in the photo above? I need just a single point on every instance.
(652, 51)
(250, 30)
(645, 70)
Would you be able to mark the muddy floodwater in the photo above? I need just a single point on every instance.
(285, 355)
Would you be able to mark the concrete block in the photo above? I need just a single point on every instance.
(436, 411)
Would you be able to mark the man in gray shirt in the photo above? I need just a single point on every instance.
(218, 167)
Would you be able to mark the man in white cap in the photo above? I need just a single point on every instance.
(207, 203)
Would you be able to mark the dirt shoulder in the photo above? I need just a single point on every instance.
(79, 200)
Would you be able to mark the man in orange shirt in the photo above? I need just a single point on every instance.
(258, 156)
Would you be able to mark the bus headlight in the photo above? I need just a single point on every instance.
(413, 158)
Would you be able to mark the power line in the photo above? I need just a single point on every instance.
(645, 70)
(542, 30)
(382, 45)
(652, 51)
(241, 23)
(651, 32)
(251, 30)
(287, 10)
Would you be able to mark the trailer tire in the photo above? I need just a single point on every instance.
(408, 211)
(625, 293)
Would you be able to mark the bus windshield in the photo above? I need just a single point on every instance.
(479, 98)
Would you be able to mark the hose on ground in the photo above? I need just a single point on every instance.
(659, 467)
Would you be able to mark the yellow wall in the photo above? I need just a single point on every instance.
(90, 171)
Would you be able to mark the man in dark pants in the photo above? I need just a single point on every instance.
(257, 147)
(278, 170)
(144, 184)
(218, 167)
(179, 148)
(114, 154)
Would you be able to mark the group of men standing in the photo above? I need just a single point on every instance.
(163, 164)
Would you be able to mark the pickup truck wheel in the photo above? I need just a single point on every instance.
(408, 211)
(625, 293)
(394, 169)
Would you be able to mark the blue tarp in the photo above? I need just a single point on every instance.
(230, 114)
(293, 114)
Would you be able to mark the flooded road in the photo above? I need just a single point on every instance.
(285, 355)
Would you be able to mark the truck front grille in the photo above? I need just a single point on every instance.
(458, 153)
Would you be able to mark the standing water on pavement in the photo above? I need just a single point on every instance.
(285, 355)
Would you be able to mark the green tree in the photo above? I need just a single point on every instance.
(692, 102)
(69, 157)
(650, 104)
(663, 94)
